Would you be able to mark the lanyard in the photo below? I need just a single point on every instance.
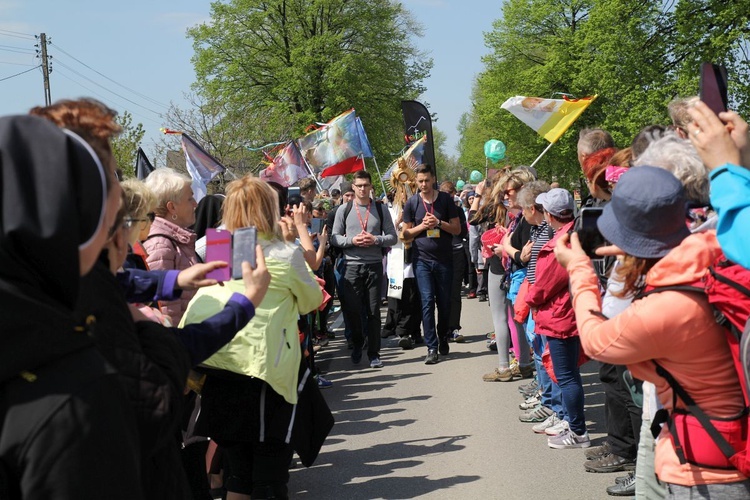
(432, 207)
(367, 217)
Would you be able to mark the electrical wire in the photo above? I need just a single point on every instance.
(19, 74)
(105, 99)
(16, 63)
(57, 61)
(31, 51)
(17, 51)
(142, 96)
(17, 34)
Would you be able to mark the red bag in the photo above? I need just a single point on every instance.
(549, 367)
(520, 308)
(490, 238)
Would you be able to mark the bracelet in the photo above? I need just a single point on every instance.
(477, 196)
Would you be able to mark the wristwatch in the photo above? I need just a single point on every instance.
(440, 223)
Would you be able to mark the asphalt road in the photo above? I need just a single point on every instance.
(411, 430)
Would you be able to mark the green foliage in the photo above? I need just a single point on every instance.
(635, 54)
(278, 66)
(125, 146)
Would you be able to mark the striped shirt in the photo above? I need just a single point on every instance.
(540, 235)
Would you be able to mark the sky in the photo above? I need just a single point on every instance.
(134, 56)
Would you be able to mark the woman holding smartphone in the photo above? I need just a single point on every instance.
(251, 384)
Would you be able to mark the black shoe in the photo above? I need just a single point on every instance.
(622, 479)
(443, 347)
(405, 343)
(432, 357)
(482, 298)
(609, 463)
(356, 354)
(626, 489)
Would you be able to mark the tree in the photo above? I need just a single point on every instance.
(297, 62)
(125, 146)
(635, 54)
(450, 169)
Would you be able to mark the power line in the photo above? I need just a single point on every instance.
(16, 51)
(19, 74)
(105, 99)
(105, 88)
(17, 34)
(16, 63)
(17, 48)
(142, 96)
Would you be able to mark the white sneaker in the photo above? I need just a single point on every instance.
(541, 427)
(376, 363)
(558, 428)
(569, 439)
(530, 403)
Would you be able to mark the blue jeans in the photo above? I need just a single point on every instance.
(564, 353)
(434, 283)
(551, 394)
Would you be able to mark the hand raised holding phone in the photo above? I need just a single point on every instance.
(256, 279)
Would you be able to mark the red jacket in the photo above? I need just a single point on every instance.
(550, 295)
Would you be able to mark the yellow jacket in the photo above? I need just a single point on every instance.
(268, 347)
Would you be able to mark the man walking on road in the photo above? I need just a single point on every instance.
(362, 228)
(431, 220)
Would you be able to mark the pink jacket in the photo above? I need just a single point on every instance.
(678, 330)
(549, 294)
(170, 246)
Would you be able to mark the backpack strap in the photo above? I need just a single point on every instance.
(695, 410)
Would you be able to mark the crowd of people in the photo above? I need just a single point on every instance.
(128, 364)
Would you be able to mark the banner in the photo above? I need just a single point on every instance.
(549, 118)
(417, 124)
(334, 142)
(201, 166)
(287, 167)
(414, 156)
(143, 167)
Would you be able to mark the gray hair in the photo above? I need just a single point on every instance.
(591, 140)
(678, 111)
(526, 197)
(679, 157)
(167, 185)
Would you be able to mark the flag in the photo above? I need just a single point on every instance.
(332, 182)
(549, 118)
(364, 142)
(414, 156)
(417, 124)
(287, 167)
(344, 167)
(201, 166)
(143, 167)
(333, 142)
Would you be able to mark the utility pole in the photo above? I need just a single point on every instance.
(46, 69)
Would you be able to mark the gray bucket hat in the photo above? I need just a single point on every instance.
(646, 216)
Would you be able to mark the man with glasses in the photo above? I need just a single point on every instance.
(362, 228)
(431, 220)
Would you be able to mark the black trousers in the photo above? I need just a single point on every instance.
(404, 315)
(361, 292)
(459, 269)
(623, 416)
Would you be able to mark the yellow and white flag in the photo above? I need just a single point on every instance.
(549, 118)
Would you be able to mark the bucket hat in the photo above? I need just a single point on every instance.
(646, 216)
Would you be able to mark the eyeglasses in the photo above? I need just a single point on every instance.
(129, 223)
(362, 186)
(509, 192)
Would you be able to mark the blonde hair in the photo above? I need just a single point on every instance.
(678, 111)
(139, 199)
(167, 185)
(252, 202)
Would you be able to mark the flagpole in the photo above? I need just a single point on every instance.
(309, 168)
(540, 156)
(379, 174)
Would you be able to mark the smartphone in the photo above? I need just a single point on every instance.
(316, 225)
(243, 250)
(589, 234)
(713, 86)
(293, 191)
(219, 247)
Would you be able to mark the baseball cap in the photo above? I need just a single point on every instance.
(557, 201)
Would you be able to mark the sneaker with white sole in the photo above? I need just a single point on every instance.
(569, 439)
(376, 363)
(530, 403)
(558, 428)
(541, 427)
(539, 414)
(455, 336)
